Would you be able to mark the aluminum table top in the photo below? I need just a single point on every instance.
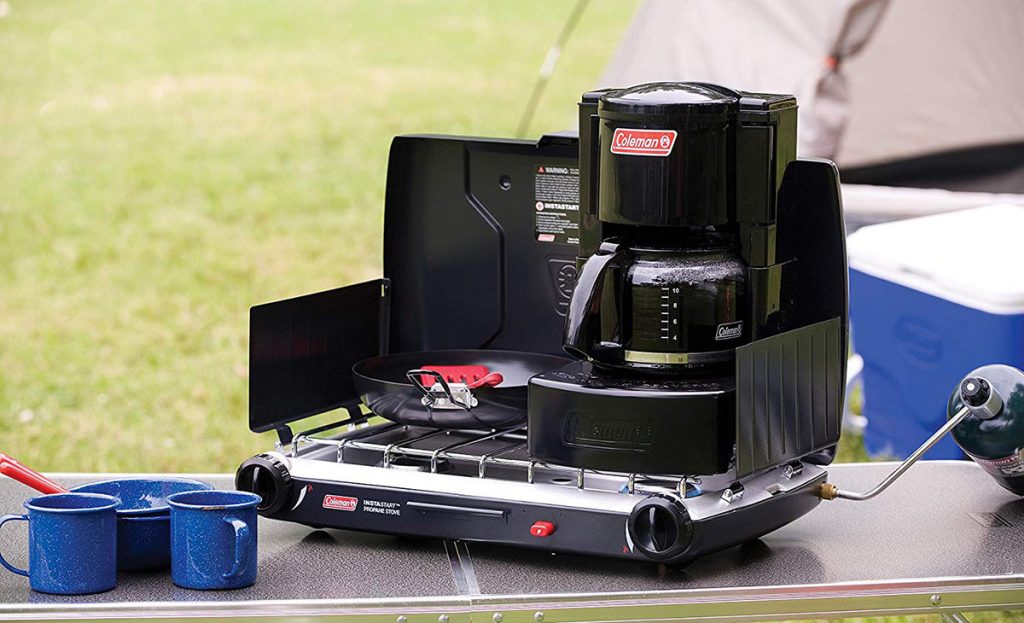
(944, 538)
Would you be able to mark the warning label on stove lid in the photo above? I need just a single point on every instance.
(556, 204)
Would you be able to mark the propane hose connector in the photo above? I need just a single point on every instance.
(828, 491)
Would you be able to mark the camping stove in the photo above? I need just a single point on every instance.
(482, 485)
(676, 248)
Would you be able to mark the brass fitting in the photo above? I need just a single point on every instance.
(828, 491)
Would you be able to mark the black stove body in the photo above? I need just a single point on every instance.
(483, 241)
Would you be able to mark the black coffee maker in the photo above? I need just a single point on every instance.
(709, 316)
(671, 247)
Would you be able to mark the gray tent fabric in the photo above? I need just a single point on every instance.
(877, 80)
(825, 116)
(937, 76)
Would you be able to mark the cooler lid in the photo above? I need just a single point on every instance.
(972, 257)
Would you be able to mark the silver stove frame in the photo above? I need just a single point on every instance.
(502, 468)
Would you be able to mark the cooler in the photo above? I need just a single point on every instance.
(931, 299)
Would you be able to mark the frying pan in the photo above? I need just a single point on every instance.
(398, 388)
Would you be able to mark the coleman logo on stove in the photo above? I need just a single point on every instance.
(596, 431)
(340, 503)
(643, 142)
(729, 330)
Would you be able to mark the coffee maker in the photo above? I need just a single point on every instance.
(709, 316)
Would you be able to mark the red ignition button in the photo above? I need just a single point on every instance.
(542, 528)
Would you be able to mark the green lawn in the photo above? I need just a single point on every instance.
(165, 165)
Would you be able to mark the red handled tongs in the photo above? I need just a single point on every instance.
(11, 468)
(472, 376)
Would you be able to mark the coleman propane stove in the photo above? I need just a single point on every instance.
(629, 342)
(478, 485)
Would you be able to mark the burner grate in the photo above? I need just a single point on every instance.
(478, 452)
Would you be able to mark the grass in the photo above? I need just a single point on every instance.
(165, 165)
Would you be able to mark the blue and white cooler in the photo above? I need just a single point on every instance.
(931, 299)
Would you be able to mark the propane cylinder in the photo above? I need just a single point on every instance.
(993, 435)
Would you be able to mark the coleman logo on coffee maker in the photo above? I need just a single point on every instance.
(643, 142)
(729, 330)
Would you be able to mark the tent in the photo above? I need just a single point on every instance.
(921, 93)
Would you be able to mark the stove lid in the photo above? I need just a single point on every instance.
(480, 242)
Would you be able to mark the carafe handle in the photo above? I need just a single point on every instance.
(586, 301)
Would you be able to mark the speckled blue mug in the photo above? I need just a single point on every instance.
(213, 539)
(72, 543)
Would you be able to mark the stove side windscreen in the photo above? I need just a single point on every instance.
(301, 351)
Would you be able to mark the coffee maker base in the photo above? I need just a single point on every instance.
(582, 417)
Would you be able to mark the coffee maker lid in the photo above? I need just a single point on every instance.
(671, 98)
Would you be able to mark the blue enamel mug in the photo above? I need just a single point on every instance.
(213, 539)
(72, 543)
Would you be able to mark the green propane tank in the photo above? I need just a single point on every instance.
(993, 434)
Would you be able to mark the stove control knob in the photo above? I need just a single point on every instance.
(660, 527)
(268, 477)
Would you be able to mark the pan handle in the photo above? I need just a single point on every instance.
(491, 380)
(430, 395)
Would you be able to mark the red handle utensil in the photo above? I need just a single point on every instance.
(13, 469)
(472, 376)
(491, 380)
